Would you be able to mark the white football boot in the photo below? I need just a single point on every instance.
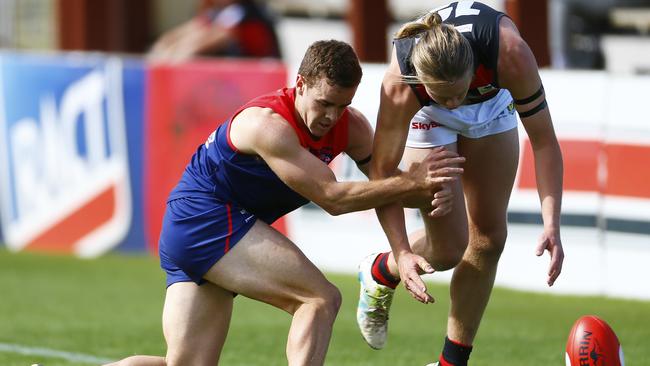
(374, 303)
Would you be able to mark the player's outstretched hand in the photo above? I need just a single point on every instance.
(410, 266)
(550, 241)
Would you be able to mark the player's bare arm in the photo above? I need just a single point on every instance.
(519, 74)
(397, 106)
(360, 135)
(262, 132)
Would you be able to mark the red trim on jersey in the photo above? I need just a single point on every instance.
(227, 247)
(282, 102)
(483, 76)
(421, 93)
(234, 149)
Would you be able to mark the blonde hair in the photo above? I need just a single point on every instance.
(441, 55)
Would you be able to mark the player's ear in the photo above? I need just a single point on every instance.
(300, 84)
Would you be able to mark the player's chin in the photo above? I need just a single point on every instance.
(322, 129)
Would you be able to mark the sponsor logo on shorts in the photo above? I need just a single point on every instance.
(63, 159)
(246, 213)
(424, 125)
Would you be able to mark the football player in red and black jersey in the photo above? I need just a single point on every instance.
(456, 78)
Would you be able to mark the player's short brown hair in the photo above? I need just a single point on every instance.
(334, 60)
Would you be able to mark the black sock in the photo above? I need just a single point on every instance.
(380, 272)
(454, 353)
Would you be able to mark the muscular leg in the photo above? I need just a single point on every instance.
(443, 247)
(195, 324)
(266, 266)
(486, 186)
(489, 175)
(443, 240)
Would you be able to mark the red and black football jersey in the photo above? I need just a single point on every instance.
(479, 24)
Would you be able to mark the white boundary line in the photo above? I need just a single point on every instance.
(46, 352)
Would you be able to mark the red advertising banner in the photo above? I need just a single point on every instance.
(185, 103)
(596, 166)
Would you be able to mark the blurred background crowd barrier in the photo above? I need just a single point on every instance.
(91, 145)
(91, 142)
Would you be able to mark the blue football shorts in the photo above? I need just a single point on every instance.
(196, 233)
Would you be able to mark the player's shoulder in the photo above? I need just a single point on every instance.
(515, 56)
(266, 121)
(510, 41)
(360, 131)
(261, 115)
(262, 127)
(357, 120)
(355, 115)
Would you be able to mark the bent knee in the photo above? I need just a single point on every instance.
(488, 242)
(445, 257)
(326, 301)
(446, 261)
(329, 302)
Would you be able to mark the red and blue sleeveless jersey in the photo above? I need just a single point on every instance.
(479, 24)
(218, 170)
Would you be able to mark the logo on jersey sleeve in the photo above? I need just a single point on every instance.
(64, 170)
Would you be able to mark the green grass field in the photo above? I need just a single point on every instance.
(110, 308)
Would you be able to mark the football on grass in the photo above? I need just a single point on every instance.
(592, 342)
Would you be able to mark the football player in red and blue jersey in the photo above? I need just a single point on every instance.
(270, 158)
(456, 78)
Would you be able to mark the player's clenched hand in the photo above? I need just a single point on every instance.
(550, 240)
(410, 265)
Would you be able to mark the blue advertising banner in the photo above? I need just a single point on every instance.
(71, 153)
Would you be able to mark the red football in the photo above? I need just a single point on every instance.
(592, 342)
